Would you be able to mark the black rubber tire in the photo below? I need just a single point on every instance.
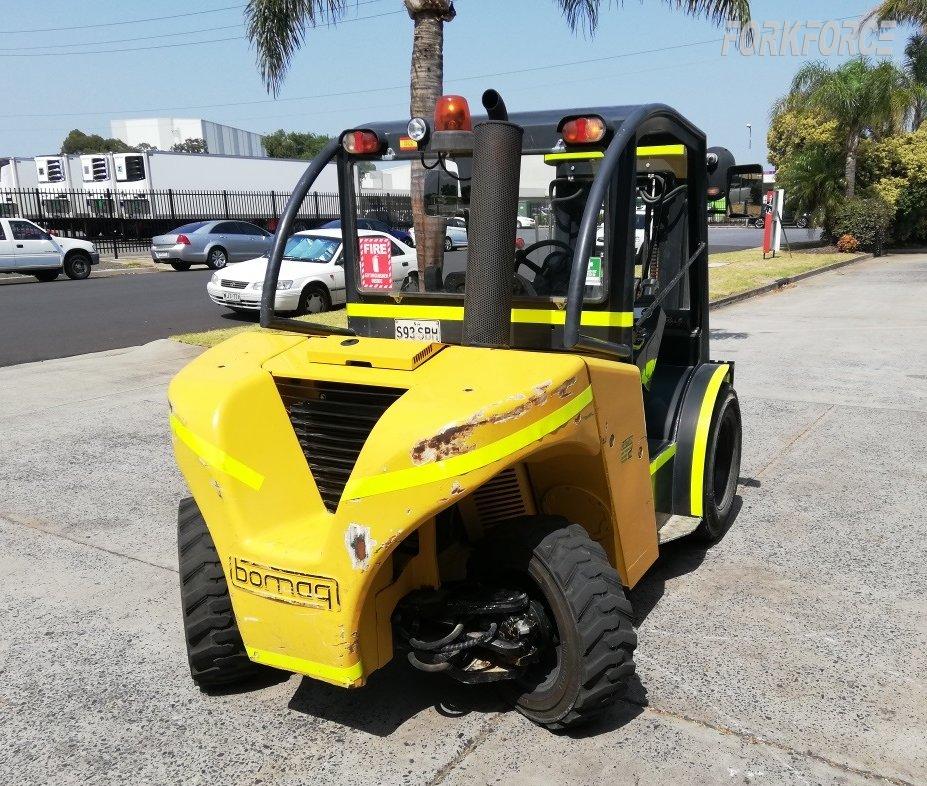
(77, 265)
(180, 267)
(46, 275)
(448, 244)
(593, 617)
(310, 291)
(722, 467)
(215, 254)
(215, 651)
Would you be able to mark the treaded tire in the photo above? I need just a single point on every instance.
(594, 619)
(215, 651)
(77, 265)
(722, 467)
(323, 299)
(180, 266)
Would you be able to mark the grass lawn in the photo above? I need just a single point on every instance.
(733, 272)
(744, 270)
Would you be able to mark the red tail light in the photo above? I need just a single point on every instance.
(183, 240)
(363, 143)
(452, 113)
(583, 130)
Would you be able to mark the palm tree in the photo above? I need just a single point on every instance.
(902, 11)
(812, 179)
(864, 99)
(915, 66)
(277, 29)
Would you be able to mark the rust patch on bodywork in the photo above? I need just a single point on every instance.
(359, 544)
(453, 440)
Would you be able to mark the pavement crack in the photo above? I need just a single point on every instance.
(472, 744)
(754, 739)
(795, 440)
(36, 526)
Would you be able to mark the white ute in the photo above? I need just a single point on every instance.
(28, 249)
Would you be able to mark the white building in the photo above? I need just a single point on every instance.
(164, 132)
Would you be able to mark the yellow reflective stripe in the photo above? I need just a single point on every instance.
(607, 319)
(475, 459)
(397, 311)
(345, 676)
(575, 156)
(661, 459)
(662, 150)
(701, 438)
(643, 152)
(215, 457)
(523, 316)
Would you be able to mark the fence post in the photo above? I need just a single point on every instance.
(225, 200)
(38, 204)
(170, 202)
(315, 195)
(273, 204)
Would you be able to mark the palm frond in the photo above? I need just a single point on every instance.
(902, 11)
(277, 29)
(584, 14)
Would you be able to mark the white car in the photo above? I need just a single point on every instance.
(639, 223)
(526, 222)
(27, 248)
(311, 277)
(455, 236)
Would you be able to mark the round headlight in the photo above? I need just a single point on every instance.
(417, 128)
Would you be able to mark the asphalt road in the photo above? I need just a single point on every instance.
(793, 652)
(64, 318)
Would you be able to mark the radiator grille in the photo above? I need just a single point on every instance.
(55, 171)
(332, 421)
(229, 284)
(500, 499)
(100, 169)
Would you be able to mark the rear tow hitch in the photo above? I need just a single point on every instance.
(472, 632)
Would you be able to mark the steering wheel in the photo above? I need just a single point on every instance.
(521, 256)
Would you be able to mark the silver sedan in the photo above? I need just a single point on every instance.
(210, 243)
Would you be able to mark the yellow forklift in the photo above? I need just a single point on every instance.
(478, 468)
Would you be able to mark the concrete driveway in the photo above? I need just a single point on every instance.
(791, 653)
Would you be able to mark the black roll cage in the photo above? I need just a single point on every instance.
(629, 131)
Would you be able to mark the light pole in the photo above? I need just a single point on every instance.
(750, 136)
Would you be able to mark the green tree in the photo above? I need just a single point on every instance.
(864, 99)
(294, 144)
(195, 145)
(915, 66)
(277, 28)
(77, 142)
(903, 11)
(792, 131)
(813, 181)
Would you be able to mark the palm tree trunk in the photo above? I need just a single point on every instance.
(850, 171)
(427, 84)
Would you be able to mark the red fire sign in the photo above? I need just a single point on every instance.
(376, 264)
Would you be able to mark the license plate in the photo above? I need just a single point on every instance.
(161, 254)
(418, 329)
(235, 297)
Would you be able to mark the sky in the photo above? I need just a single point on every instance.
(195, 61)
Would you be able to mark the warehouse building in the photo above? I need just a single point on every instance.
(164, 132)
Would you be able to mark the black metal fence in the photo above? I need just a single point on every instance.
(129, 219)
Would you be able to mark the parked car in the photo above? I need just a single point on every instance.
(211, 243)
(639, 226)
(376, 225)
(801, 220)
(27, 248)
(311, 276)
(526, 222)
(455, 235)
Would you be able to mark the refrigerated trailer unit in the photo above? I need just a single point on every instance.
(15, 174)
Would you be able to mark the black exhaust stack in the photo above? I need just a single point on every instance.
(493, 213)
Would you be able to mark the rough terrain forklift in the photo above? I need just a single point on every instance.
(472, 479)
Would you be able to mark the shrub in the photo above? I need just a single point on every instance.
(847, 244)
(867, 219)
